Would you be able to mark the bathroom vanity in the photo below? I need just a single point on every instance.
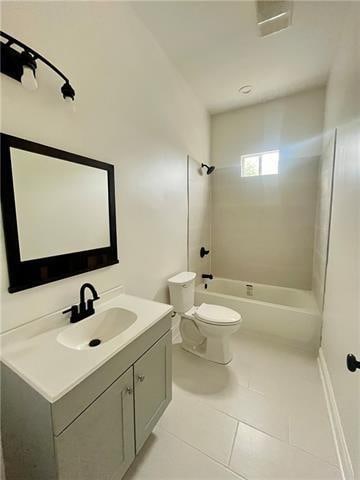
(74, 412)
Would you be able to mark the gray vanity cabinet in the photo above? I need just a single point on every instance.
(99, 444)
(152, 380)
(95, 430)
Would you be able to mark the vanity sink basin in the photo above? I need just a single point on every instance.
(98, 329)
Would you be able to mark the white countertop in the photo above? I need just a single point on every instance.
(52, 369)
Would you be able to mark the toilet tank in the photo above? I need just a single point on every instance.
(182, 291)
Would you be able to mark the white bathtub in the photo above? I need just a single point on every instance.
(287, 313)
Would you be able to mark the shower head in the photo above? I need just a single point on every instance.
(209, 169)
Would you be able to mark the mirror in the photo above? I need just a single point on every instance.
(58, 213)
(68, 203)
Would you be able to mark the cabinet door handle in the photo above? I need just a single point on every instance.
(141, 378)
(129, 390)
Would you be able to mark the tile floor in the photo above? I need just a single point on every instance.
(263, 416)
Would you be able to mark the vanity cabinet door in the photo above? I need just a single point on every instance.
(99, 444)
(152, 380)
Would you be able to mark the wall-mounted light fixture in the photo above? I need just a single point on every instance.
(21, 66)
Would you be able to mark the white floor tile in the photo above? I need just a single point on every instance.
(219, 386)
(265, 353)
(201, 377)
(164, 457)
(308, 467)
(310, 430)
(268, 387)
(252, 408)
(291, 379)
(256, 410)
(256, 455)
(201, 426)
(259, 456)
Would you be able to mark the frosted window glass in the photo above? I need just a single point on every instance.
(265, 163)
(250, 166)
(270, 163)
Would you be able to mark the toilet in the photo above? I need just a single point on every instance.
(206, 329)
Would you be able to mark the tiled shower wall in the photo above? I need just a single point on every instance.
(263, 227)
(199, 220)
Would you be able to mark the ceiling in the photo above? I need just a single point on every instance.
(216, 47)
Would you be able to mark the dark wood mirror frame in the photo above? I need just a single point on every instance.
(31, 273)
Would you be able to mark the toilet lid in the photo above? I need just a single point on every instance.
(217, 315)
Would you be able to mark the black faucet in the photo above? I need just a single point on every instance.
(83, 310)
(207, 275)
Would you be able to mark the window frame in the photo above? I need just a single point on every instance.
(260, 162)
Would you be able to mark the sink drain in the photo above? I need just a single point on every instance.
(95, 342)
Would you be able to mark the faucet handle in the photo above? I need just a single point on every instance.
(90, 305)
(74, 317)
(72, 309)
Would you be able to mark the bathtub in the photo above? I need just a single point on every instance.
(286, 313)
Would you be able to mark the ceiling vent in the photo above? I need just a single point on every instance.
(273, 15)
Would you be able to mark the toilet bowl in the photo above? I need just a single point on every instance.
(206, 329)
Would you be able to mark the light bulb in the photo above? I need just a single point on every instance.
(28, 79)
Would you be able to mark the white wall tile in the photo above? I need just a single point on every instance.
(263, 227)
(199, 218)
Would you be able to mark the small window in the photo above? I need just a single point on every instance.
(265, 163)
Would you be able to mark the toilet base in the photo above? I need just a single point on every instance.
(210, 350)
(211, 342)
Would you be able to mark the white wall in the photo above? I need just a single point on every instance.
(293, 123)
(341, 329)
(133, 110)
(263, 227)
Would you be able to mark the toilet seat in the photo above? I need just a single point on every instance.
(217, 315)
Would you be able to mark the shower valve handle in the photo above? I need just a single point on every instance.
(203, 252)
(352, 363)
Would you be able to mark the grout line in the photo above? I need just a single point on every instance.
(209, 405)
(233, 443)
(225, 467)
(288, 427)
(285, 442)
(188, 212)
(266, 396)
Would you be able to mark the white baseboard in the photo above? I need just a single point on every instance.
(345, 464)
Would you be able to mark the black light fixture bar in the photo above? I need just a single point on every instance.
(12, 63)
